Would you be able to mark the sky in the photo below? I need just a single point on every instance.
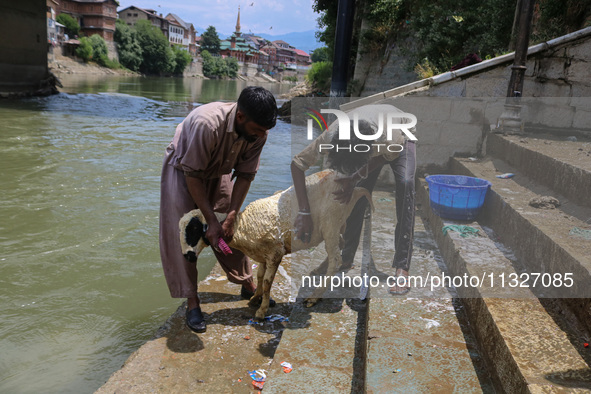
(257, 16)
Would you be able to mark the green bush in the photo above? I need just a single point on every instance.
(321, 54)
(84, 50)
(110, 63)
(215, 66)
(319, 75)
(182, 58)
(130, 52)
(99, 49)
(71, 25)
(157, 55)
(209, 69)
(232, 65)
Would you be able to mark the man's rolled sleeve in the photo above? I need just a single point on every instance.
(309, 155)
(200, 146)
(249, 176)
(195, 174)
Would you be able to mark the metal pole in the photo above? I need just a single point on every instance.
(510, 121)
(342, 48)
(519, 66)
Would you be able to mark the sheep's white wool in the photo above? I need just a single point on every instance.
(263, 231)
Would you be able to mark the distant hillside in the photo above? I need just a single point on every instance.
(304, 40)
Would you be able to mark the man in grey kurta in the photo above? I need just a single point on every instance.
(403, 164)
(212, 140)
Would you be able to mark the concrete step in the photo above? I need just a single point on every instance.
(540, 238)
(530, 345)
(334, 348)
(420, 344)
(555, 162)
(178, 360)
(325, 345)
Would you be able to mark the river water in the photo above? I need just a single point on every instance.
(81, 285)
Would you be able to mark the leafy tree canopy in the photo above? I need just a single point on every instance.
(320, 55)
(71, 25)
(130, 52)
(157, 56)
(182, 59)
(210, 41)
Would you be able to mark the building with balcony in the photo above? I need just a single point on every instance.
(93, 16)
(188, 39)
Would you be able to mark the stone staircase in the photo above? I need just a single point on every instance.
(505, 336)
(530, 344)
(510, 336)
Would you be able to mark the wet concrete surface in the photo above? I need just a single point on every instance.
(421, 342)
(529, 344)
(339, 345)
(179, 360)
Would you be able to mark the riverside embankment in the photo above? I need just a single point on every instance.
(81, 286)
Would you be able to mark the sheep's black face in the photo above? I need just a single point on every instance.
(193, 233)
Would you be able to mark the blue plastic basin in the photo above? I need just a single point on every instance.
(456, 196)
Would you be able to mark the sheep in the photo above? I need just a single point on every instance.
(264, 231)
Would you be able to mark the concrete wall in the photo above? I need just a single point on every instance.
(248, 69)
(375, 74)
(23, 46)
(454, 117)
(195, 69)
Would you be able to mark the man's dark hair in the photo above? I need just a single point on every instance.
(259, 106)
(343, 157)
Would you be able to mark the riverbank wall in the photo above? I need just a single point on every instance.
(557, 79)
(23, 57)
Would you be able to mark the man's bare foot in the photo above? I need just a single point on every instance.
(402, 285)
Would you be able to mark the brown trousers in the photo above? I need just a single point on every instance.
(175, 201)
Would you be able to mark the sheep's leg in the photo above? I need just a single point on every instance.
(255, 299)
(334, 262)
(272, 266)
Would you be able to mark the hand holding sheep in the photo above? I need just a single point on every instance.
(303, 227)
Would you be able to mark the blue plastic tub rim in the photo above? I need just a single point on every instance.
(460, 181)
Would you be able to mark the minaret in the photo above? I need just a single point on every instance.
(238, 24)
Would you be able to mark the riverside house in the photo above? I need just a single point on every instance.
(93, 16)
(132, 14)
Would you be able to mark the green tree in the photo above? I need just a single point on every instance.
(210, 41)
(232, 66)
(558, 17)
(182, 59)
(222, 67)
(130, 52)
(448, 31)
(320, 55)
(157, 56)
(327, 22)
(216, 66)
(99, 47)
(84, 50)
(319, 75)
(209, 64)
(72, 27)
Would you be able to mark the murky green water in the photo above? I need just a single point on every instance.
(81, 285)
